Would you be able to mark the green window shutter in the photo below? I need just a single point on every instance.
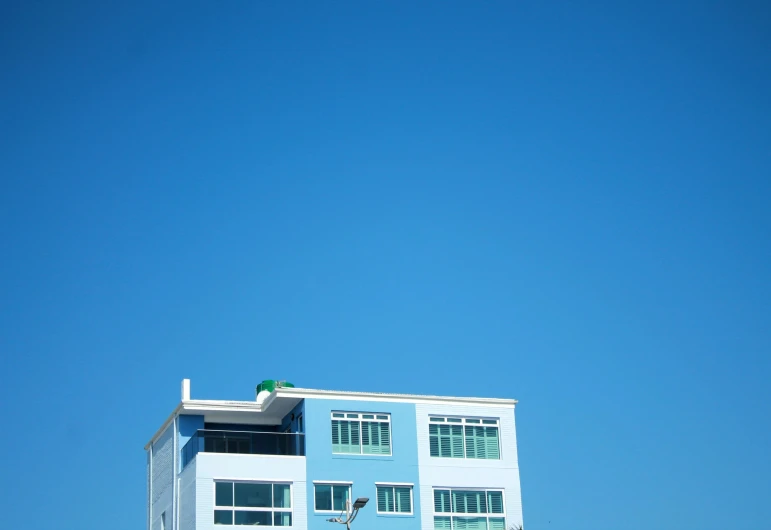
(442, 501)
(469, 523)
(456, 441)
(497, 523)
(495, 501)
(433, 439)
(371, 438)
(385, 499)
(475, 442)
(471, 445)
(491, 443)
(442, 523)
(385, 438)
(345, 436)
(469, 502)
(336, 444)
(403, 499)
(355, 446)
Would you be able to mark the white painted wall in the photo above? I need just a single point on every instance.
(212, 466)
(469, 473)
(162, 479)
(187, 494)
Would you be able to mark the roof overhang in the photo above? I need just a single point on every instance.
(269, 412)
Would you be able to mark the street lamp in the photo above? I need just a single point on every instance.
(350, 512)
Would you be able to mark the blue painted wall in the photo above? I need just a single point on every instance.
(188, 425)
(362, 470)
(291, 419)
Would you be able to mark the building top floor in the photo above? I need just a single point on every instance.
(275, 402)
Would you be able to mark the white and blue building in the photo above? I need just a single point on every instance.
(294, 456)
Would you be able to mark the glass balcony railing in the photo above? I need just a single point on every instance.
(243, 442)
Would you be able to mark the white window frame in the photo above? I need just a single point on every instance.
(377, 417)
(271, 509)
(333, 483)
(464, 420)
(393, 486)
(451, 514)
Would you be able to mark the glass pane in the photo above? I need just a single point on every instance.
(223, 493)
(254, 518)
(254, 495)
(223, 517)
(454, 420)
(442, 523)
(338, 415)
(323, 497)
(281, 496)
(351, 415)
(382, 417)
(436, 419)
(282, 519)
(339, 497)
(473, 421)
(490, 422)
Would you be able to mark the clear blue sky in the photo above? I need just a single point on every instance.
(562, 203)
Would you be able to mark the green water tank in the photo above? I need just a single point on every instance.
(269, 385)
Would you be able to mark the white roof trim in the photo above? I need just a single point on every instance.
(334, 482)
(410, 484)
(403, 398)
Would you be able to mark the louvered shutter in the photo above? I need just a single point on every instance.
(385, 499)
(497, 523)
(442, 501)
(492, 447)
(433, 439)
(495, 501)
(385, 438)
(336, 442)
(456, 441)
(442, 523)
(469, 523)
(403, 499)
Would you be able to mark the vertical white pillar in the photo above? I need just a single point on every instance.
(186, 390)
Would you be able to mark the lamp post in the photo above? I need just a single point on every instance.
(351, 511)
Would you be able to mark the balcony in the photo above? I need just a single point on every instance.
(243, 442)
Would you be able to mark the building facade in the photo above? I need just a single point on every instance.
(296, 457)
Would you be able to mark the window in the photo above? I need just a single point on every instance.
(469, 510)
(331, 497)
(360, 433)
(463, 438)
(394, 499)
(252, 503)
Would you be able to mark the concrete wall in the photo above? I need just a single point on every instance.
(187, 496)
(162, 479)
(469, 473)
(362, 470)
